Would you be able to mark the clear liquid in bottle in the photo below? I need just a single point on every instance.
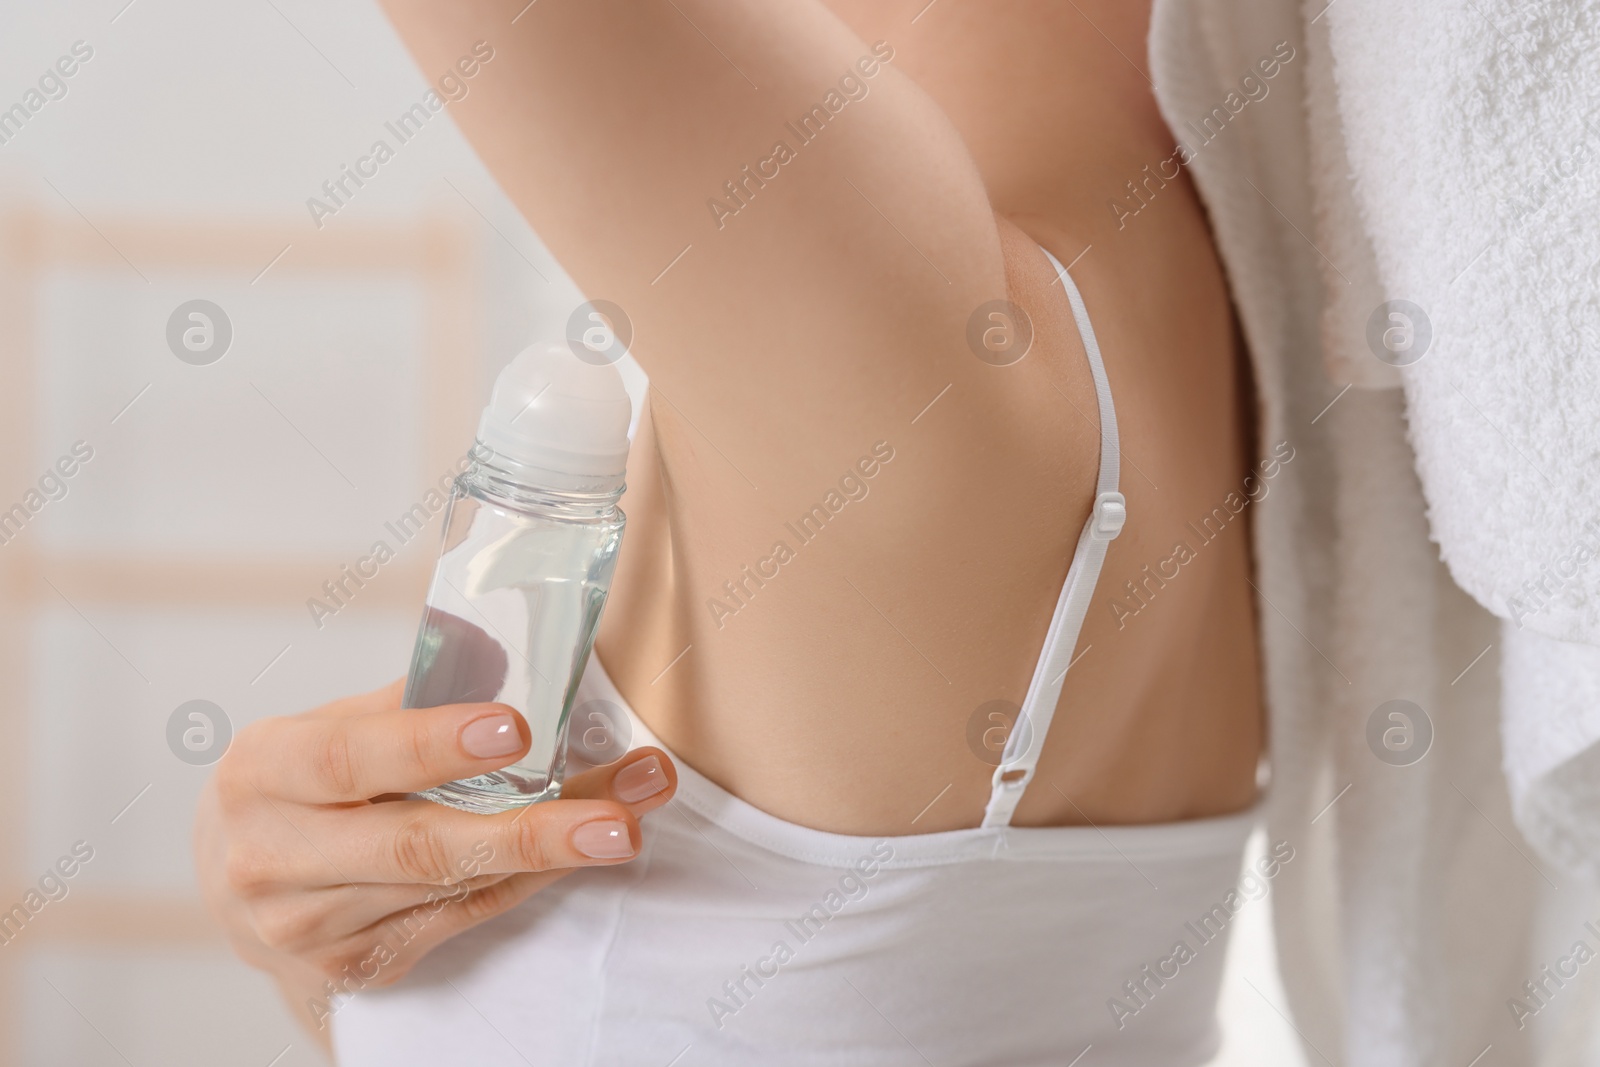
(531, 539)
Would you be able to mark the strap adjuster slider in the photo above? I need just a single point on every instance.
(1110, 512)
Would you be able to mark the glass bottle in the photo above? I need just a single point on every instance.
(531, 536)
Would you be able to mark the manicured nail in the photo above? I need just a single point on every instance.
(604, 839)
(491, 736)
(639, 780)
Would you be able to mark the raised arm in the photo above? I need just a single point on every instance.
(796, 231)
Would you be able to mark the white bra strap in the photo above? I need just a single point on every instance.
(1021, 756)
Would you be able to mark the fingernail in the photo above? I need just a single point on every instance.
(491, 736)
(639, 780)
(604, 839)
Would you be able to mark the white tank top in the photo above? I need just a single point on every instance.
(737, 939)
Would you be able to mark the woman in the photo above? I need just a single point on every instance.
(838, 229)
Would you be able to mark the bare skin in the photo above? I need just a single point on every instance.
(824, 317)
(827, 317)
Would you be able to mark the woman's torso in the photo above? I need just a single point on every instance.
(845, 691)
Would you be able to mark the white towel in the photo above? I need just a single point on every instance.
(1420, 912)
(1473, 138)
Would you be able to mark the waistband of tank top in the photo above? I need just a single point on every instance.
(1187, 839)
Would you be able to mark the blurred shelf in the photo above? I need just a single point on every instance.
(101, 920)
(432, 244)
(248, 582)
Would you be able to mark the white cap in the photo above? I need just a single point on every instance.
(560, 414)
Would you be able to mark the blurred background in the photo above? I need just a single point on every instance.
(335, 374)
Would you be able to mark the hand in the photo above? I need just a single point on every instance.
(319, 877)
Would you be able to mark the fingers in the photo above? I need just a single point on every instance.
(594, 823)
(302, 858)
(334, 759)
(426, 843)
(419, 842)
(644, 780)
(292, 917)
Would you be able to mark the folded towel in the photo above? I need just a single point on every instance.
(1472, 140)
